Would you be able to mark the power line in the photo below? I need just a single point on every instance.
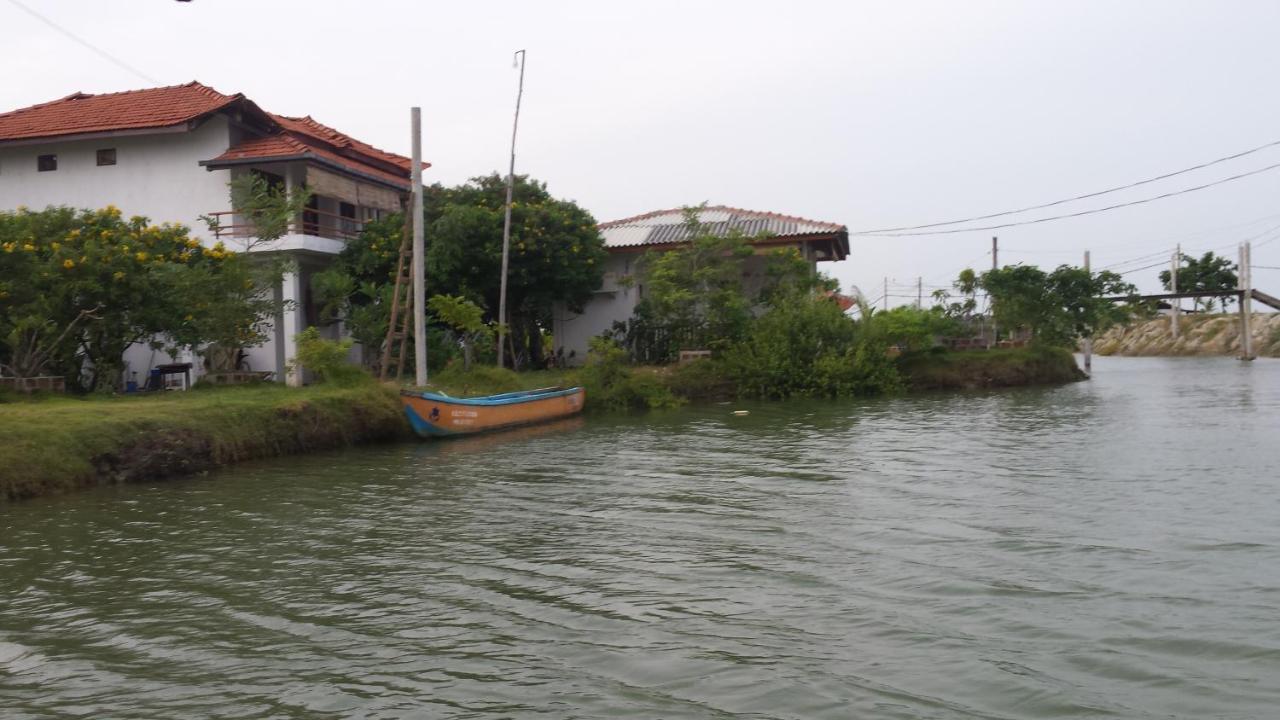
(1076, 214)
(1086, 196)
(103, 53)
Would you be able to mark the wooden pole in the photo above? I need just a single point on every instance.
(1088, 341)
(1246, 302)
(506, 222)
(995, 265)
(419, 257)
(886, 292)
(919, 292)
(1174, 306)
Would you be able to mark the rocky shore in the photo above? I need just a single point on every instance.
(1198, 335)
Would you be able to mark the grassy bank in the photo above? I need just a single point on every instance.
(55, 444)
(988, 368)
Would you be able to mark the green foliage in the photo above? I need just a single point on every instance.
(478, 380)
(268, 208)
(61, 443)
(702, 379)
(78, 287)
(557, 255)
(914, 328)
(612, 386)
(940, 369)
(1209, 273)
(807, 346)
(1059, 307)
(328, 359)
(465, 320)
(697, 296)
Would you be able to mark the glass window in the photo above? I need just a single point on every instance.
(47, 163)
(106, 156)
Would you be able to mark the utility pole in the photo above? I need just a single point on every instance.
(886, 292)
(995, 265)
(919, 292)
(1246, 302)
(1175, 306)
(1088, 341)
(419, 255)
(506, 222)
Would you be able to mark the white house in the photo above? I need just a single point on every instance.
(168, 154)
(629, 239)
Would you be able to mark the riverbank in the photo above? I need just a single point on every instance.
(56, 444)
(1009, 367)
(1205, 335)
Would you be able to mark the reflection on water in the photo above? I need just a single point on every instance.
(1105, 549)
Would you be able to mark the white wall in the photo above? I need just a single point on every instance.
(574, 332)
(157, 176)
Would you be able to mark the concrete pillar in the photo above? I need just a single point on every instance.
(291, 325)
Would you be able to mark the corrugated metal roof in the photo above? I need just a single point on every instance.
(668, 226)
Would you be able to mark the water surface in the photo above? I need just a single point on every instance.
(1104, 549)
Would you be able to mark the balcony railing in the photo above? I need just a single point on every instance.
(233, 224)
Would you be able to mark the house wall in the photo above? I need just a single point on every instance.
(157, 176)
(612, 303)
(616, 303)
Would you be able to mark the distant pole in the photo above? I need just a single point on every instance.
(419, 255)
(919, 292)
(1174, 306)
(886, 292)
(995, 265)
(506, 222)
(1246, 301)
(1088, 341)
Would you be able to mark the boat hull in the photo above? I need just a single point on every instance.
(433, 415)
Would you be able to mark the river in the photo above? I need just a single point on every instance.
(1109, 548)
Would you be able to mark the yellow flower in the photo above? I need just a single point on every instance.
(189, 317)
(112, 211)
(8, 247)
(73, 234)
(55, 245)
(68, 263)
(29, 247)
(141, 257)
(117, 275)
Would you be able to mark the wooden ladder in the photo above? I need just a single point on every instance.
(401, 309)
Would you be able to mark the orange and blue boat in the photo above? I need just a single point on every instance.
(438, 415)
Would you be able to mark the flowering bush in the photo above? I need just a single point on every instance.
(77, 287)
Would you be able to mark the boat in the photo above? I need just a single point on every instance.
(435, 414)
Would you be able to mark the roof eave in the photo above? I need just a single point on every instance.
(216, 164)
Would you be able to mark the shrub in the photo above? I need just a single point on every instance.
(479, 380)
(611, 385)
(807, 346)
(327, 358)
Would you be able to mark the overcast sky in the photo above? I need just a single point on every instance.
(868, 114)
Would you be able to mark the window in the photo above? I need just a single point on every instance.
(47, 163)
(106, 156)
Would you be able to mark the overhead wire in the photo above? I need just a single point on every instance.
(1085, 196)
(85, 43)
(1081, 213)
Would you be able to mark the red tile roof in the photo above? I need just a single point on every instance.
(158, 108)
(285, 144)
(135, 109)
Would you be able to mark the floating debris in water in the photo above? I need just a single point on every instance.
(741, 412)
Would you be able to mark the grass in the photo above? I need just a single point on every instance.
(57, 443)
(1002, 367)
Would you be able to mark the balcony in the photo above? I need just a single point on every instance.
(235, 225)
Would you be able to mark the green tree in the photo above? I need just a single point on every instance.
(80, 287)
(914, 328)
(557, 254)
(698, 296)
(1059, 307)
(466, 322)
(1208, 273)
